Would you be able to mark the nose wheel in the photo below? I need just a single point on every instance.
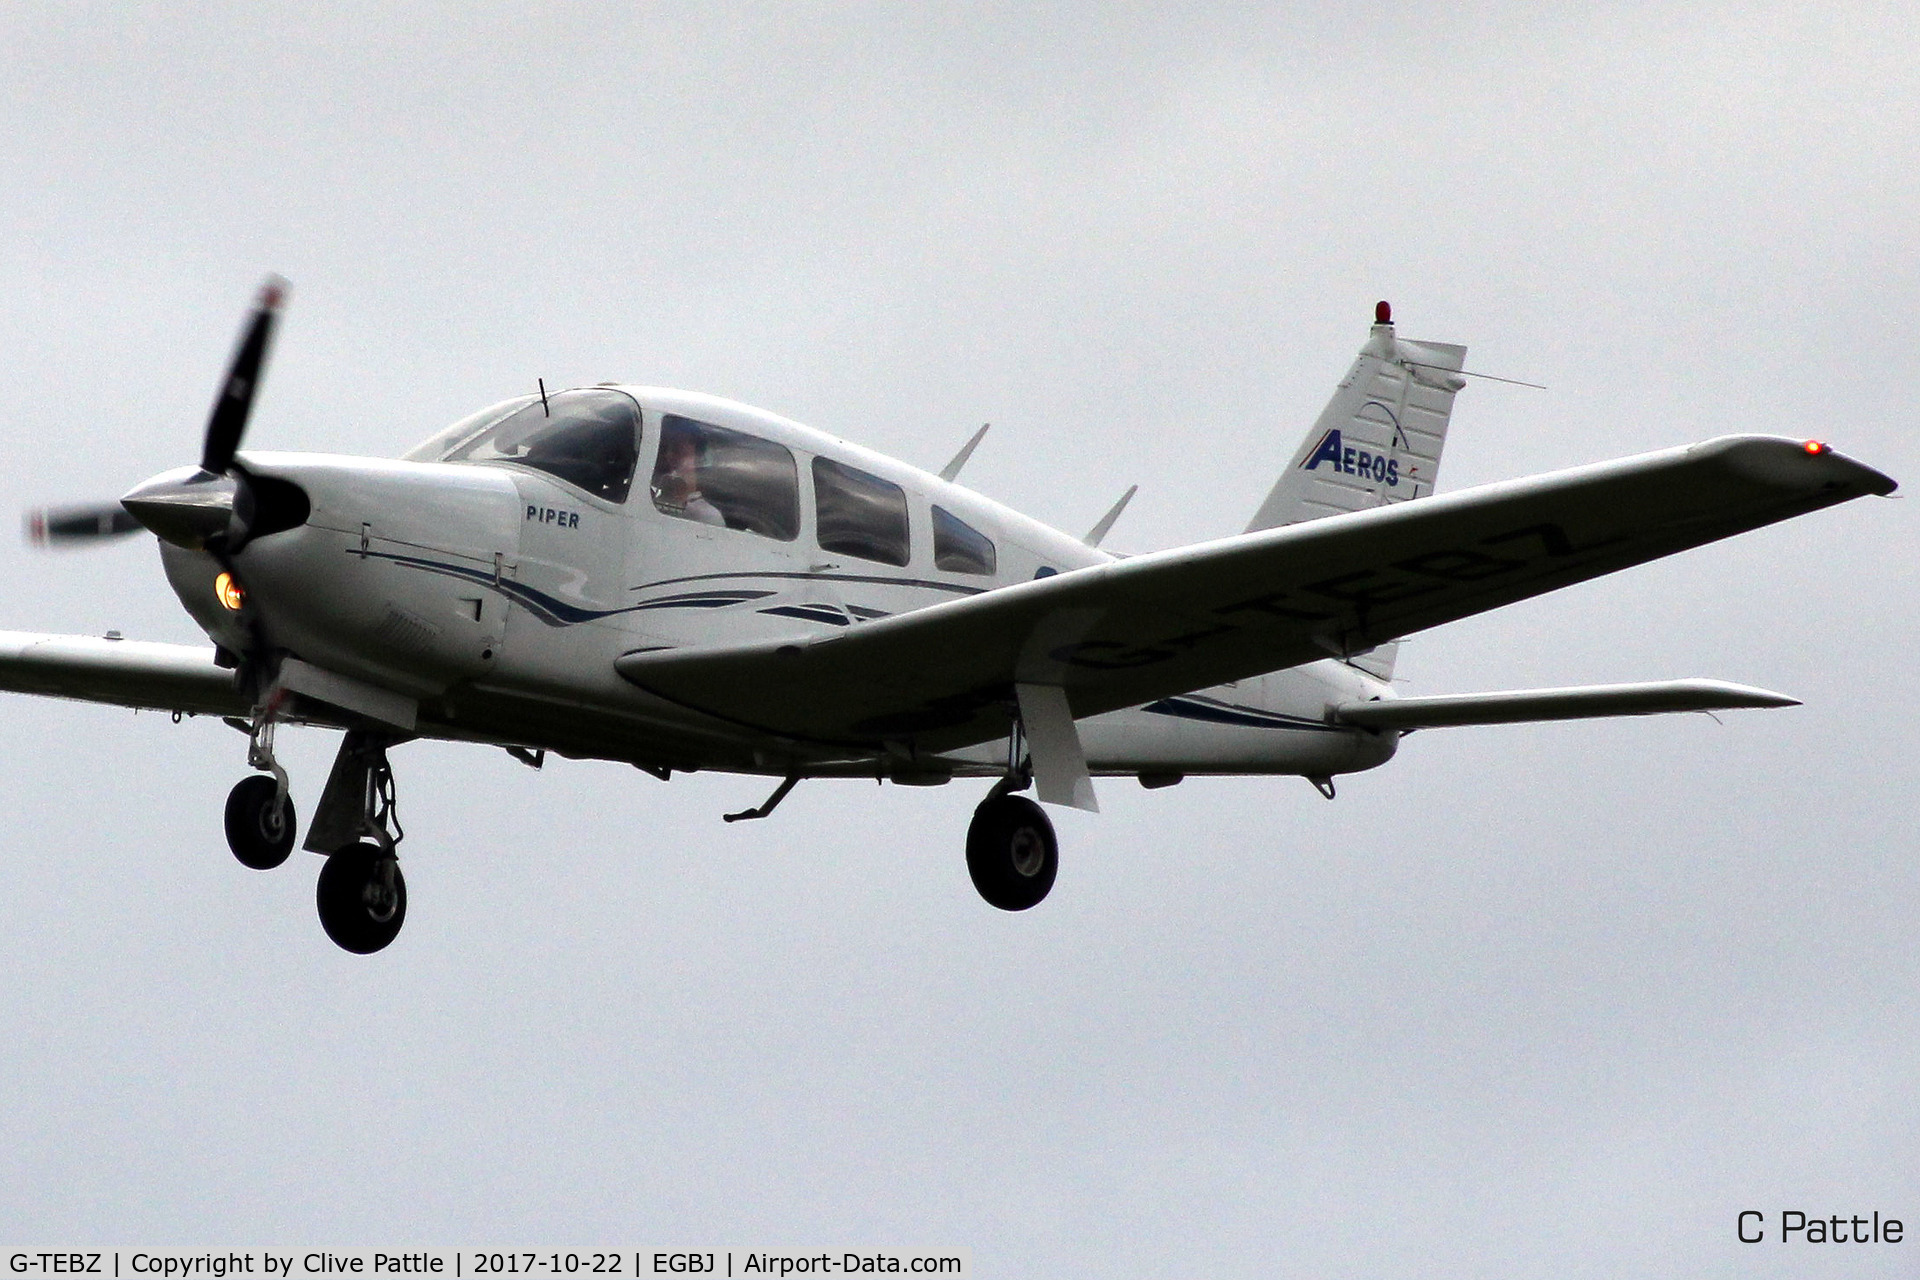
(260, 819)
(260, 823)
(1011, 852)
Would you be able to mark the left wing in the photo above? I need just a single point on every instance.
(1132, 631)
(127, 673)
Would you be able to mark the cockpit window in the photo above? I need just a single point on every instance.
(719, 476)
(861, 515)
(588, 438)
(436, 447)
(958, 547)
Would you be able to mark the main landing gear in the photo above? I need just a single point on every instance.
(1011, 851)
(362, 898)
(361, 895)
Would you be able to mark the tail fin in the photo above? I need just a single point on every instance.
(1379, 438)
(1377, 441)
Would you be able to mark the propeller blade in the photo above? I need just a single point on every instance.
(229, 420)
(66, 526)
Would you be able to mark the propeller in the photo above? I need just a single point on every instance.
(210, 507)
(65, 526)
(229, 420)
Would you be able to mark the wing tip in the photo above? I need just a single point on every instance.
(1803, 465)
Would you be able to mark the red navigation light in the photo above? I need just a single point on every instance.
(1383, 312)
(1814, 448)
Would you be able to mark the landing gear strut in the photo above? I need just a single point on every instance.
(1011, 851)
(361, 895)
(260, 817)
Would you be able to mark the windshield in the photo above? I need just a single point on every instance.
(436, 446)
(588, 438)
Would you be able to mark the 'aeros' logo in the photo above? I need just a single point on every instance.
(1353, 461)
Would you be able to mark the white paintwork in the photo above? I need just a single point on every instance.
(498, 603)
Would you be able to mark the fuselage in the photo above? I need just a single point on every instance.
(496, 572)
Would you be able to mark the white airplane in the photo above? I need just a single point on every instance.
(682, 582)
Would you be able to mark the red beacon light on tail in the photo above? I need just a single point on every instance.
(1383, 312)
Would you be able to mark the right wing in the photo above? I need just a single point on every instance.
(1131, 631)
(127, 673)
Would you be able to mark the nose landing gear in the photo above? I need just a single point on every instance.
(260, 823)
(260, 817)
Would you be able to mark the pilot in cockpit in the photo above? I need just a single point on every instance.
(676, 477)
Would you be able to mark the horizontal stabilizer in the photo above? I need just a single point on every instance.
(1518, 706)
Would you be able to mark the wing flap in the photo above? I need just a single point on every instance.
(1519, 706)
(127, 673)
(1152, 626)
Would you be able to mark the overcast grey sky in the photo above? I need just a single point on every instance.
(1547, 1000)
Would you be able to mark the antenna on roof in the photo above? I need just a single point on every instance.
(1099, 531)
(952, 469)
(543, 397)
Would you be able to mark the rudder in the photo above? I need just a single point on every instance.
(1379, 439)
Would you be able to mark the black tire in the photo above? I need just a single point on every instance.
(1011, 852)
(258, 835)
(354, 907)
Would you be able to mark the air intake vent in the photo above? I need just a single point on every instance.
(278, 505)
(402, 630)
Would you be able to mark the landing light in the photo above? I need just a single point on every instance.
(230, 593)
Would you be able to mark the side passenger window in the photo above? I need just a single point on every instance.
(861, 515)
(958, 547)
(718, 476)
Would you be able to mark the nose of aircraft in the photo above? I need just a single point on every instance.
(185, 506)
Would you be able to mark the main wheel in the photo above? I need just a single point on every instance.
(362, 898)
(1011, 853)
(259, 832)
